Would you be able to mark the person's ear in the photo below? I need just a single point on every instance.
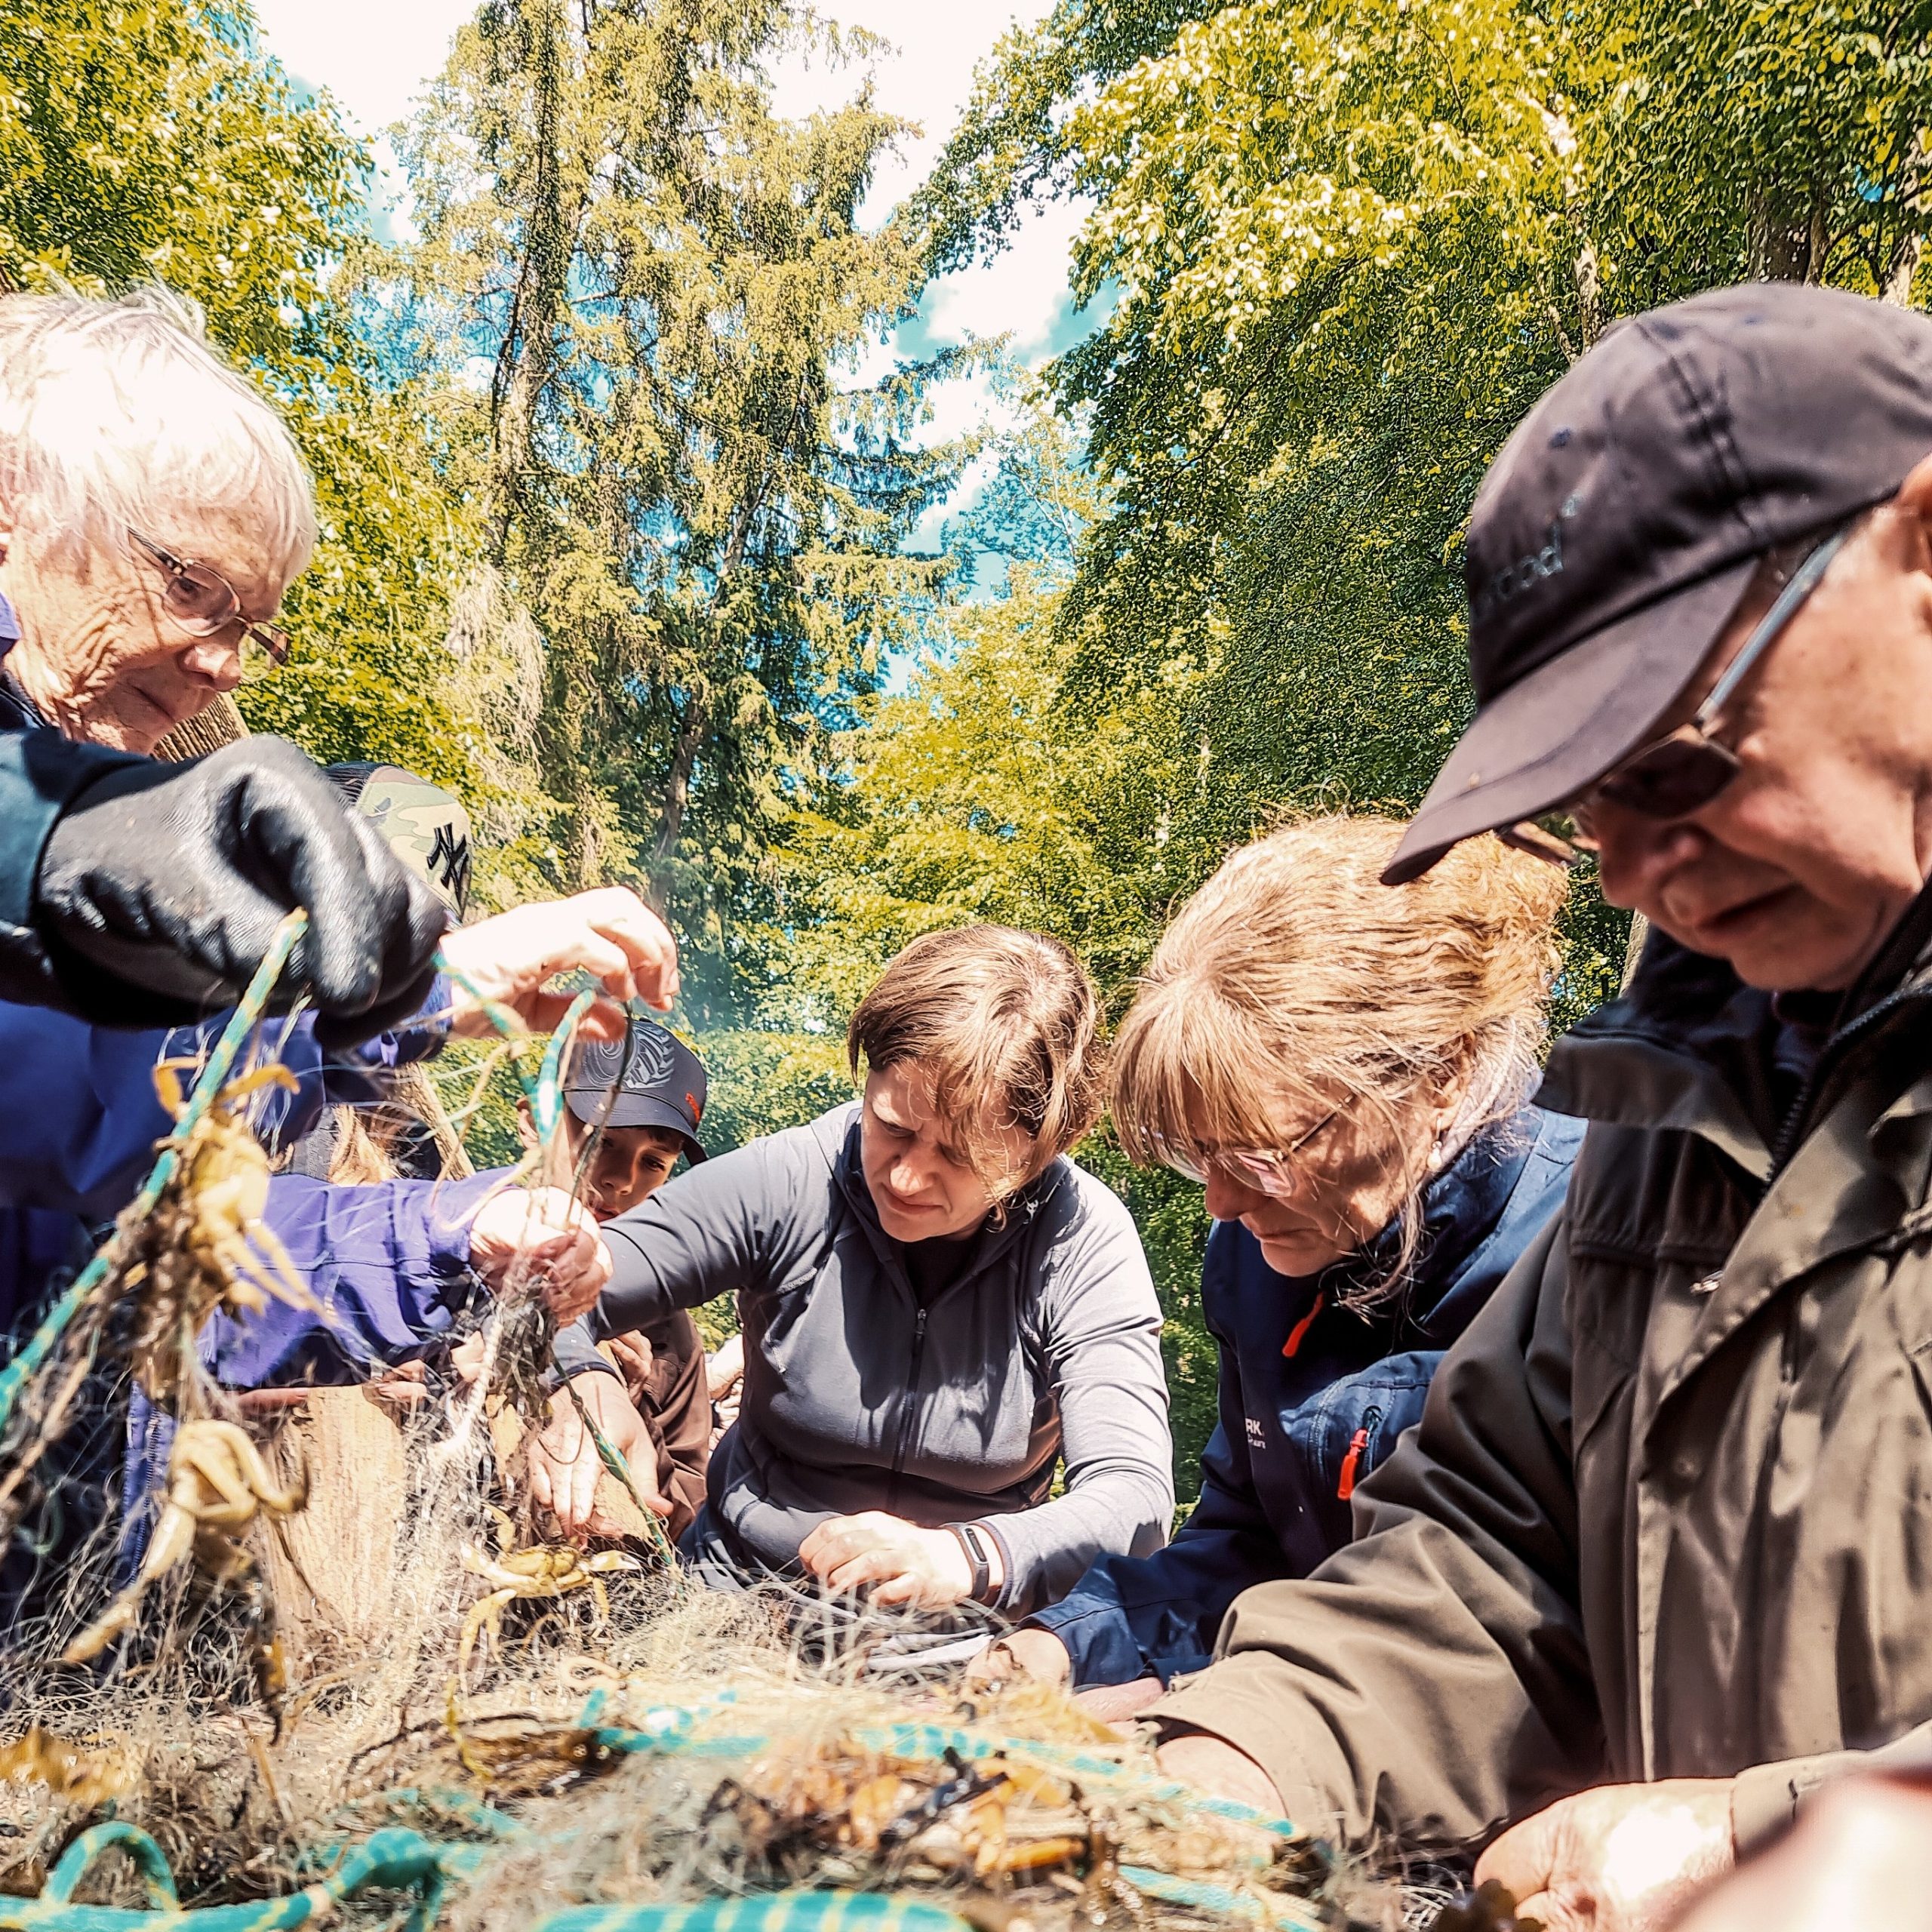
(526, 1126)
(1451, 1089)
(1915, 495)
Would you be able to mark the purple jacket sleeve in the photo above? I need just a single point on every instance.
(79, 1115)
(387, 1265)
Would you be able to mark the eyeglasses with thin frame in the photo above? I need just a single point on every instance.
(1681, 772)
(201, 602)
(1270, 1173)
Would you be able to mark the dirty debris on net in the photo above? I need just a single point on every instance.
(520, 1733)
(688, 1757)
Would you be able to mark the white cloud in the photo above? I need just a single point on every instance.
(374, 56)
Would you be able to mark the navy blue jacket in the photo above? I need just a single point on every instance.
(1312, 1397)
(79, 1117)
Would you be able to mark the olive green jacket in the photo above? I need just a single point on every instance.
(1668, 1511)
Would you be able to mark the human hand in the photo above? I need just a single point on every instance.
(1118, 1703)
(905, 1564)
(1037, 1654)
(543, 1233)
(632, 1353)
(724, 1367)
(1212, 1764)
(404, 1386)
(563, 1464)
(610, 933)
(1622, 1858)
(1857, 1857)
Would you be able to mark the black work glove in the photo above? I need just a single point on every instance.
(160, 887)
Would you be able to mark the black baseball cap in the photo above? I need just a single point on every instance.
(663, 1084)
(1619, 528)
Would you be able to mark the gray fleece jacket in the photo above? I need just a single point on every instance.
(856, 1397)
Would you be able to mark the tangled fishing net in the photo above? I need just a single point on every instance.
(390, 1701)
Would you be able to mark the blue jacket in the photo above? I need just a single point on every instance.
(1312, 1397)
(388, 1264)
(79, 1117)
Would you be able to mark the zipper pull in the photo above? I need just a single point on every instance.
(1352, 1462)
(1299, 1333)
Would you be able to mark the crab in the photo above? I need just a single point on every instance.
(542, 1570)
(217, 1484)
(204, 1245)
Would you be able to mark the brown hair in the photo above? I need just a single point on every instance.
(1005, 1026)
(1294, 974)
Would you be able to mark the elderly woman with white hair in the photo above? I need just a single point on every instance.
(129, 894)
(153, 510)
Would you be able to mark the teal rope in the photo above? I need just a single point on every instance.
(772, 1912)
(394, 1860)
(547, 1104)
(214, 1076)
(79, 1856)
(671, 1729)
(1223, 1899)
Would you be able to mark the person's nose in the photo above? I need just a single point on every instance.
(908, 1175)
(1636, 855)
(1228, 1200)
(215, 660)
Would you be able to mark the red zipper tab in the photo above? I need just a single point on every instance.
(1299, 1333)
(1352, 1462)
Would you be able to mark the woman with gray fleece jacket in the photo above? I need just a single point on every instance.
(938, 1308)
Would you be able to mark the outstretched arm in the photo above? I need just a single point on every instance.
(1454, 1619)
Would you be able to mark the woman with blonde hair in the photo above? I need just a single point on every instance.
(939, 1309)
(1347, 1069)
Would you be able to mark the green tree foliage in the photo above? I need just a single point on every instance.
(688, 484)
(1347, 247)
(144, 140)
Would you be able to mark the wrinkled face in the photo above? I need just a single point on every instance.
(1799, 870)
(1349, 1177)
(919, 1176)
(98, 653)
(631, 1163)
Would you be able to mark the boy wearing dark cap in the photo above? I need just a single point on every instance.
(1663, 1528)
(645, 1096)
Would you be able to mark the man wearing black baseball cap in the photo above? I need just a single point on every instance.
(1663, 1529)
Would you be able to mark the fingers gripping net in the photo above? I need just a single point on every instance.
(399, 1700)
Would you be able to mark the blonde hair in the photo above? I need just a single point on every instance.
(119, 414)
(1005, 1027)
(1294, 975)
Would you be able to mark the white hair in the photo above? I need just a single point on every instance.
(117, 414)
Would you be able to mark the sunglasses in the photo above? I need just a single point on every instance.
(203, 603)
(1270, 1174)
(1681, 772)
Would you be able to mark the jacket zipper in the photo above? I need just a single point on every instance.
(1358, 1449)
(1791, 1129)
(907, 1409)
